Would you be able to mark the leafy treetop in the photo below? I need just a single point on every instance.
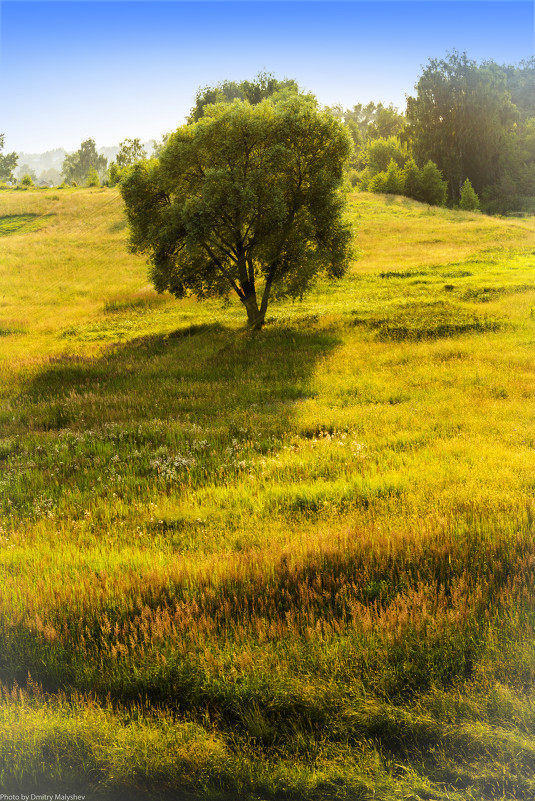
(461, 118)
(263, 86)
(248, 195)
(130, 151)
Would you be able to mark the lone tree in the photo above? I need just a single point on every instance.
(248, 195)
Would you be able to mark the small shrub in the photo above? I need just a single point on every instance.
(354, 178)
(92, 178)
(469, 199)
(377, 183)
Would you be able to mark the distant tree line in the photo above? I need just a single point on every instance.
(467, 138)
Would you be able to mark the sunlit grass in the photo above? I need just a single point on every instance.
(288, 564)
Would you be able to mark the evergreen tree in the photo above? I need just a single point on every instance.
(469, 199)
(377, 183)
(393, 179)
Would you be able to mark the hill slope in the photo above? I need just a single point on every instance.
(296, 564)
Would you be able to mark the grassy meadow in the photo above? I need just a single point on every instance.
(293, 564)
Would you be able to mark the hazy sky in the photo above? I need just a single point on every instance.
(109, 70)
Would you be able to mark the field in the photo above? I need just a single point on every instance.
(291, 564)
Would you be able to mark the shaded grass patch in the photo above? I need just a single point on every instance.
(22, 223)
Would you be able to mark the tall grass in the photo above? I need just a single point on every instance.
(289, 564)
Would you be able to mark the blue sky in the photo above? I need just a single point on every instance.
(109, 70)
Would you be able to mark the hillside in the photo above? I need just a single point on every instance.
(290, 564)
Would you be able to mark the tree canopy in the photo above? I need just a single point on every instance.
(248, 196)
(460, 118)
(130, 152)
(263, 86)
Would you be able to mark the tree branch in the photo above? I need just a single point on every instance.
(224, 271)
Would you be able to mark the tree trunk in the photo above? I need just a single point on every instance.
(255, 316)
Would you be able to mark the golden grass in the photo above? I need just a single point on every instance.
(290, 564)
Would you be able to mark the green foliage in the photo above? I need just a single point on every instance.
(425, 185)
(92, 177)
(377, 183)
(380, 152)
(520, 83)
(390, 181)
(469, 200)
(26, 170)
(394, 179)
(265, 85)
(76, 166)
(114, 174)
(461, 119)
(130, 152)
(250, 193)
(386, 121)
(412, 181)
(26, 180)
(369, 123)
(433, 189)
(377, 157)
(8, 162)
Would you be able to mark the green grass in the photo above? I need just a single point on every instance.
(20, 223)
(294, 564)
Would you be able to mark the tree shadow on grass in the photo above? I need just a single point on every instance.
(154, 413)
(207, 375)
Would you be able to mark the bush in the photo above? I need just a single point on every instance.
(380, 152)
(377, 183)
(433, 188)
(394, 184)
(469, 199)
(92, 177)
(27, 180)
(412, 180)
(354, 178)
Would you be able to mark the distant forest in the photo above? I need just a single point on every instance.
(474, 122)
(466, 137)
